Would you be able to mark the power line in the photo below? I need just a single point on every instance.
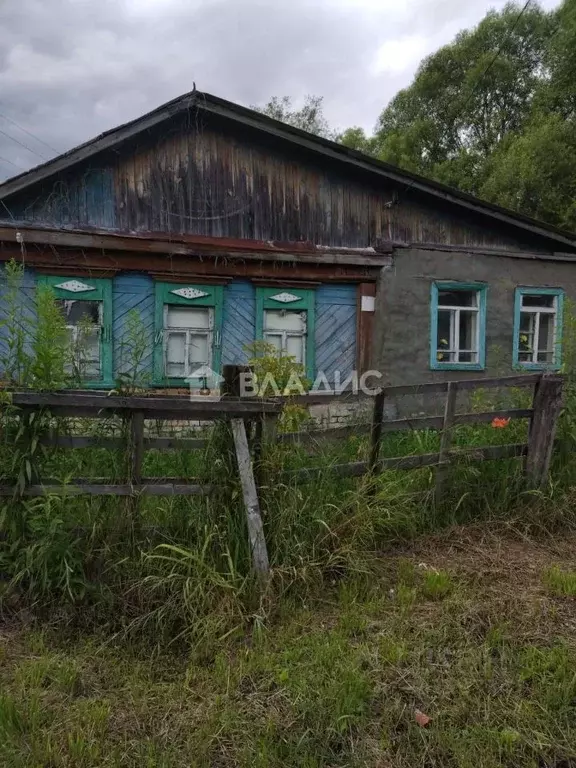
(21, 143)
(5, 160)
(25, 130)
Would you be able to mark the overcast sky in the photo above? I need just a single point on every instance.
(70, 69)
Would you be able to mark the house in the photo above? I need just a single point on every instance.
(219, 226)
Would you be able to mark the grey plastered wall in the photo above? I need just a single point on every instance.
(402, 328)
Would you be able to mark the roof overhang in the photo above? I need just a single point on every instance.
(199, 245)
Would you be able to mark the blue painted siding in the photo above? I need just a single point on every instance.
(238, 322)
(133, 292)
(25, 311)
(335, 333)
(335, 329)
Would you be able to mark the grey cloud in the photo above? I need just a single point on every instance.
(70, 69)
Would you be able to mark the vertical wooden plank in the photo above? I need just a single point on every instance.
(376, 434)
(446, 437)
(136, 447)
(547, 406)
(250, 494)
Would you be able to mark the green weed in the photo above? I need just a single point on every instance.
(436, 584)
(559, 582)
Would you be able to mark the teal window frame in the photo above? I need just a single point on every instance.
(102, 292)
(558, 327)
(163, 295)
(306, 302)
(447, 285)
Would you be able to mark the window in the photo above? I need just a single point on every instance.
(188, 323)
(458, 322)
(538, 327)
(188, 340)
(286, 330)
(286, 319)
(86, 305)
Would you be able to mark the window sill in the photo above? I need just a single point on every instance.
(95, 385)
(457, 367)
(173, 384)
(553, 367)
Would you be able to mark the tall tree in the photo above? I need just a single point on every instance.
(535, 173)
(467, 97)
(310, 117)
(559, 88)
(356, 138)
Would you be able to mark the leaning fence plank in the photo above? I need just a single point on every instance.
(446, 437)
(547, 406)
(254, 520)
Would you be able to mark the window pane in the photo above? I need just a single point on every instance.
(527, 322)
(443, 341)
(187, 317)
(546, 338)
(274, 339)
(76, 312)
(175, 354)
(538, 300)
(458, 298)
(295, 347)
(284, 320)
(84, 346)
(198, 351)
(88, 353)
(468, 325)
(526, 336)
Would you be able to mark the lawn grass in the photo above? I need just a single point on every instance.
(462, 627)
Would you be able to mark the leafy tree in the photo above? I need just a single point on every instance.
(492, 113)
(468, 97)
(536, 172)
(356, 138)
(310, 117)
(559, 88)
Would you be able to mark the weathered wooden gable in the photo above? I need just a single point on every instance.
(213, 177)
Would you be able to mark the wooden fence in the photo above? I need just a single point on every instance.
(134, 411)
(542, 415)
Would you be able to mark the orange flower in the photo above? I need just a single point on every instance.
(500, 423)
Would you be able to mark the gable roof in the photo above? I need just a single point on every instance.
(330, 149)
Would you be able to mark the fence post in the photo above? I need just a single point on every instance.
(446, 437)
(376, 432)
(250, 494)
(546, 405)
